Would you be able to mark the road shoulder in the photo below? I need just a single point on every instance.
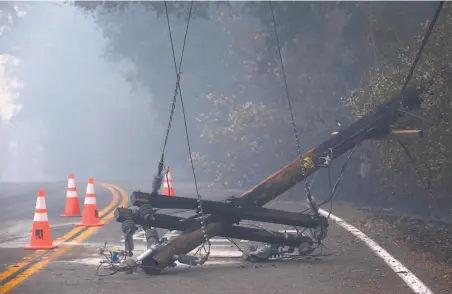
(397, 239)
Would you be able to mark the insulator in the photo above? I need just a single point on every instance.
(157, 183)
(128, 226)
(152, 236)
(146, 212)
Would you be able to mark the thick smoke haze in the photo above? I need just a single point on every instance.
(74, 105)
(77, 112)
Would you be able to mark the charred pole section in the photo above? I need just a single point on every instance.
(373, 125)
(229, 211)
(233, 231)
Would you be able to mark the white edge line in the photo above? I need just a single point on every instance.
(405, 274)
(413, 282)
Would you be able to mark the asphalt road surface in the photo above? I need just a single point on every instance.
(351, 267)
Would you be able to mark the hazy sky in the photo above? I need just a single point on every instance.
(78, 111)
(76, 105)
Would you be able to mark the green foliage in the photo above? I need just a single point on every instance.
(432, 152)
(265, 137)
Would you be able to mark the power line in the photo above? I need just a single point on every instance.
(178, 72)
(424, 42)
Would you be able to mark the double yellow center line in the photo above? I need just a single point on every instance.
(19, 272)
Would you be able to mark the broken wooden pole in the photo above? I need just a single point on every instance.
(296, 171)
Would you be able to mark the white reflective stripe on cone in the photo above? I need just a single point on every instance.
(71, 183)
(90, 200)
(41, 203)
(90, 189)
(40, 217)
(71, 194)
(168, 176)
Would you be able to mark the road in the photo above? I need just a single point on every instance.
(352, 267)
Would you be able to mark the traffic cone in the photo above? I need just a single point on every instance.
(167, 184)
(41, 235)
(90, 216)
(72, 207)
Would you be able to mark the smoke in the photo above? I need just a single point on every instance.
(8, 86)
(80, 106)
(9, 107)
(65, 108)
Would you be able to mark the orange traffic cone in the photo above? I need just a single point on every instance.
(41, 235)
(168, 184)
(72, 207)
(90, 216)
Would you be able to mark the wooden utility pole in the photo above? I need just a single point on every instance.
(371, 126)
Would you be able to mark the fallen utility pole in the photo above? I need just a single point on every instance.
(371, 126)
